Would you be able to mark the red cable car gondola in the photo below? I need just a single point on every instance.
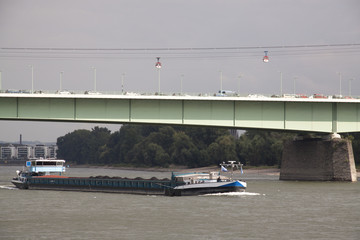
(266, 58)
(158, 63)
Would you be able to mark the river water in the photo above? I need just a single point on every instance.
(269, 209)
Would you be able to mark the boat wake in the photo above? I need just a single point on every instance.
(8, 187)
(234, 194)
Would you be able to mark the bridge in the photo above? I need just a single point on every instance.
(302, 160)
(288, 114)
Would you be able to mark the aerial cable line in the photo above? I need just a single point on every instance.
(172, 56)
(182, 48)
(179, 53)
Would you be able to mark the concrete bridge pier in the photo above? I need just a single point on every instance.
(318, 159)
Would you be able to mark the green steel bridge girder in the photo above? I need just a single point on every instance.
(312, 115)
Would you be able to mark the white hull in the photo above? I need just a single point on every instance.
(207, 188)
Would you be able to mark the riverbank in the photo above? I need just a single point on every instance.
(247, 170)
(263, 170)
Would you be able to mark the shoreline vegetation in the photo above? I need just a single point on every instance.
(263, 170)
(260, 170)
(168, 148)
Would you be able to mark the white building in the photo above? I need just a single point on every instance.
(40, 151)
(8, 152)
(51, 151)
(24, 152)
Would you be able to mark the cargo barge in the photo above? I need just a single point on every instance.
(48, 174)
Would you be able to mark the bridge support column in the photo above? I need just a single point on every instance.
(318, 160)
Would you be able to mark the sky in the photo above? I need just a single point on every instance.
(228, 38)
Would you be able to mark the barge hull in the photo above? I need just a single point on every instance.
(202, 191)
(130, 186)
(140, 191)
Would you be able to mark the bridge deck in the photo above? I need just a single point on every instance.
(296, 114)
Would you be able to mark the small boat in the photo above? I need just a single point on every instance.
(208, 183)
(48, 174)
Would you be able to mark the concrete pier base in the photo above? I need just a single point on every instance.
(318, 160)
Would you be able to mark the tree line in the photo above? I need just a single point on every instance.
(163, 146)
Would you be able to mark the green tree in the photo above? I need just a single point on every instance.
(82, 146)
(74, 146)
(149, 145)
(156, 156)
(202, 137)
(183, 150)
(148, 154)
(128, 138)
(163, 137)
(109, 154)
(223, 150)
(258, 147)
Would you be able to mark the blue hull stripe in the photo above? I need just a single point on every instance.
(234, 184)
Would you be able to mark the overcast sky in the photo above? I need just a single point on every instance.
(257, 24)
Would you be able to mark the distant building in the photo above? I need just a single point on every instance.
(8, 152)
(24, 152)
(51, 151)
(40, 151)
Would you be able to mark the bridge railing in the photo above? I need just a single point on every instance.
(233, 94)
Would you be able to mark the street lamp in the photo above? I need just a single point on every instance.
(94, 69)
(181, 83)
(61, 76)
(294, 84)
(281, 84)
(158, 66)
(122, 83)
(221, 82)
(32, 78)
(340, 80)
(350, 80)
(239, 77)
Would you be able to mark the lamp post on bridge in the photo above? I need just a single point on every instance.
(294, 85)
(281, 84)
(94, 69)
(32, 78)
(238, 91)
(340, 80)
(61, 77)
(122, 83)
(350, 80)
(221, 82)
(181, 84)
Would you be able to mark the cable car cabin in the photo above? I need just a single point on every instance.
(266, 58)
(46, 166)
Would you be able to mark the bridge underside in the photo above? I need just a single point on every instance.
(326, 117)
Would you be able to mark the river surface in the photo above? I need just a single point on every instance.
(269, 209)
